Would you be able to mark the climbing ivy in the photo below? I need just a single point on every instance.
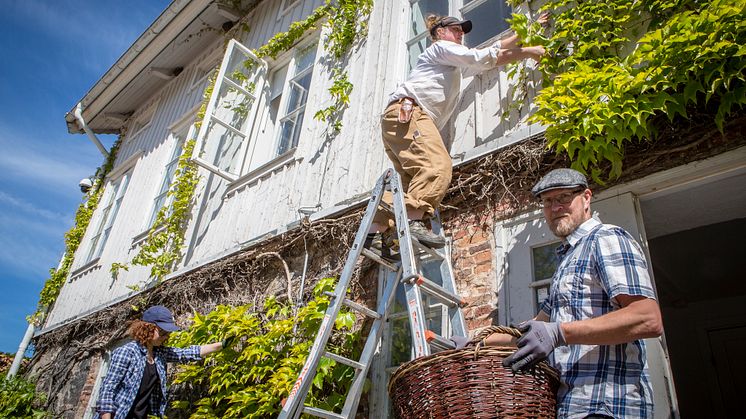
(616, 67)
(58, 276)
(162, 248)
(250, 378)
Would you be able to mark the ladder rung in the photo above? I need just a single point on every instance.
(372, 255)
(343, 360)
(438, 342)
(361, 309)
(436, 290)
(321, 413)
(422, 249)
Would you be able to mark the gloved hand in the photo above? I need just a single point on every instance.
(460, 341)
(538, 341)
(228, 341)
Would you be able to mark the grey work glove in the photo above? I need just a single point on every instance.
(538, 341)
(460, 341)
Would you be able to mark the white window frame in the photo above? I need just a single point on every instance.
(187, 128)
(210, 117)
(291, 77)
(107, 214)
(285, 7)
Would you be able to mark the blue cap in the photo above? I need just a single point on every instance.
(559, 179)
(161, 317)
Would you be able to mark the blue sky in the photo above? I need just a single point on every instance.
(52, 52)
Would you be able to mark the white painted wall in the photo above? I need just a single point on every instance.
(320, 172)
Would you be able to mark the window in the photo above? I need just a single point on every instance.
(115, 191)
(543, 264)
(162, 199)
(222, 142)
(295, 96)
(489, 19)
(488, 16)
(419, 37)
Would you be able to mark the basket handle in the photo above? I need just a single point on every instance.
(491, 330)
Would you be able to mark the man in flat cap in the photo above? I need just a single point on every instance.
(421, 106)
(601, 306)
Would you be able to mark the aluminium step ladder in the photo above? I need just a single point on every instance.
(408, 273)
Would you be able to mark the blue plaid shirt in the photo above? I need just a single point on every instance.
(599, 262)
(125, 373)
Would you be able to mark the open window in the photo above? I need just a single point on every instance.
(489, 18)
(223, 138)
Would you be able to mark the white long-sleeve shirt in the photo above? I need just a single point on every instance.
(435, 81)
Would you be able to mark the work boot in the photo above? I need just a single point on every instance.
(382, 244)
(424, 235)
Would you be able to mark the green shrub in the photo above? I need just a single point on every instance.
(251, 377)
(19, 399)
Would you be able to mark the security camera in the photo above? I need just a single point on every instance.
(85, 185)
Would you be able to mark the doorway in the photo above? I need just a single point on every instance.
(695, 236)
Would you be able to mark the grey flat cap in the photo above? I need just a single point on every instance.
(559, 179)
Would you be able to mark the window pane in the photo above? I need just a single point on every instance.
(233, 107)
(401, 342)
(305, 59)
(421, 9)
(488, 20)
(242, 70)
(541, 294)
(416, 49)
(298, 93)
(224, 145)
(544, 261)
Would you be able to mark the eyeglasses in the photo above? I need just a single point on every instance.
(562, 199)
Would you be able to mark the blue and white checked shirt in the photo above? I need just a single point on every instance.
(125, 373)
(599, 262)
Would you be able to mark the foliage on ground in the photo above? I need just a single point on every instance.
(251, 377)
(618, 69)
(19, 399)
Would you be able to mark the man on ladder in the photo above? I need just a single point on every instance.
(439, 286)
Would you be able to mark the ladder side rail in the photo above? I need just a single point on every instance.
(409, 268)
(366, 358)
(294, 402)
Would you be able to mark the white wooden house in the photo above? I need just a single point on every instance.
(276, 162)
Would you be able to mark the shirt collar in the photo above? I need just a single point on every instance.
(581, 231)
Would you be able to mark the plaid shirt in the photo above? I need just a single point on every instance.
(599, 262)
(125, 373)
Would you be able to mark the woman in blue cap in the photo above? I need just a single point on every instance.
(135, 385)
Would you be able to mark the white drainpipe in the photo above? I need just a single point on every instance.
(21, 350)
(79, 116)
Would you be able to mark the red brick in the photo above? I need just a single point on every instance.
(484, 256)
(483, 269)
(478, 248)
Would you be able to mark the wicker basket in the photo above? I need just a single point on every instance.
(472, 383)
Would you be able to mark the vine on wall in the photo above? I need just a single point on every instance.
(618, 70)
(347, 20)
(58, 276)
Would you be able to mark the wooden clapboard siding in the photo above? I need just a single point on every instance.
(322, 172)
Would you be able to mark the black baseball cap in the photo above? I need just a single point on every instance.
(452, 21)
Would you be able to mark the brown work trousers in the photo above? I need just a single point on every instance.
(419, 156)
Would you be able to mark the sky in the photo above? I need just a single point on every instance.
(53, 52)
